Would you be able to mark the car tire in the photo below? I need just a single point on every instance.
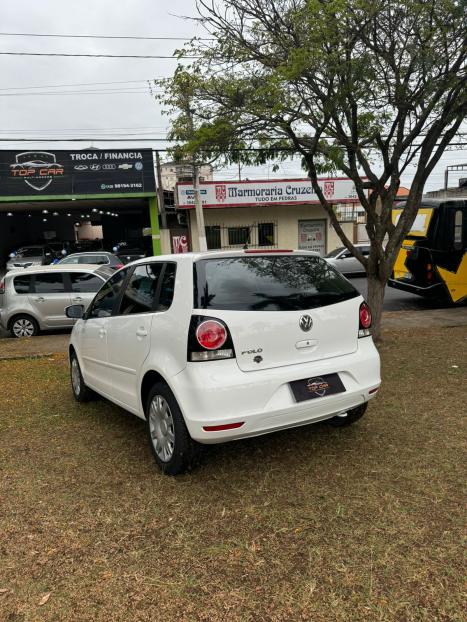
(352, 416)
(171, 444)
(81, 392)
(23, 326)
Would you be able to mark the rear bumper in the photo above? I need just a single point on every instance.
(3, 319)
(219, 393)
(430, 291)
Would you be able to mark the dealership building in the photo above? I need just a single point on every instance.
(273, 213)
(94, 194)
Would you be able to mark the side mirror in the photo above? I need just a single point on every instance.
(75, 312)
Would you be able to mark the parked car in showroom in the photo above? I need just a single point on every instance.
(343, 260)
(27, 256)
(99, 258)
(212, 347)
(127, 255)
(35, 299)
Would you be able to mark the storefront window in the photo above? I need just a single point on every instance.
(213, 237)
(238, 235)
(458, 230)
(266, 234)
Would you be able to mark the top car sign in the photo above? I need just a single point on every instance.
(96, 171)
(277, 192)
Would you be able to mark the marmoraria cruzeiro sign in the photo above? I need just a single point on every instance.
(267, 192)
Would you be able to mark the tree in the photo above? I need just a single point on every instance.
(367, 88)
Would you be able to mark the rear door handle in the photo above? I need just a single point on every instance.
(78, 298)
(40, 299)
(141, 332)
(102, 332)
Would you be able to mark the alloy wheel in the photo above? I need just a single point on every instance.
(23, 328)
(75, 376)
(161, 427)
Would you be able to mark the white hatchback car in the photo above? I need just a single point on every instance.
(212, 347)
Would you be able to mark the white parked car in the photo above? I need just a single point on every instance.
(217, 346)
(343, 260)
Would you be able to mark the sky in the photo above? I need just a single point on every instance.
(106, 96)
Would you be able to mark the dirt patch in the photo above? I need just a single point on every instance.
(316, 523)
(43, 345)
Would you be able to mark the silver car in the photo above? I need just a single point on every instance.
(34, 299)
(343, 260)
(28, 256)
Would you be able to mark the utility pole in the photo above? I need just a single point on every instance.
(203, 246)
(160, 192)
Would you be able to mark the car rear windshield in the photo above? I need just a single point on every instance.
(263, 283)
(105, 272)
(335, 252)
(30, 252)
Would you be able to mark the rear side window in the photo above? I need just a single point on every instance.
(168, 287)
(82, 282)
(94, 259)
(50, 283)
(267, 283)
(458, 230)
(140, 293)
(22, 284)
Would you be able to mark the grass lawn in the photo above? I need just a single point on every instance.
(312, 524)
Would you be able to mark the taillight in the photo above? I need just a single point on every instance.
(2, 286)
(429, 272)
(209, 340)
(364, 327)
(119, 265)
(211, 335)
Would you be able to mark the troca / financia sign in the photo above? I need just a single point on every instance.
(266, 192)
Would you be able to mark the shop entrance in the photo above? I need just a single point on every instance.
(76, 225)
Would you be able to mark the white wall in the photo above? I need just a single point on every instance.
(86, 231)
(286, 216)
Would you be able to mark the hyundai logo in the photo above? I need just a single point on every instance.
(305, 322)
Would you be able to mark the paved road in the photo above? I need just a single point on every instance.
(396, 300)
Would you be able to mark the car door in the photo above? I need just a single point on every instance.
(347, 263)
(92, 335)
(49, 299)
(83, 287)
(129, 332)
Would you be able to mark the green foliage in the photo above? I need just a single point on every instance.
(364, 88)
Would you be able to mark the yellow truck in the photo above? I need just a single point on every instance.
(432, 261)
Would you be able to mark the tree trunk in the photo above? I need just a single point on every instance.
(376, 286)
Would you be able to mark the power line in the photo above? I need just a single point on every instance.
(67, 55)
(59, 86)
(104, 139)
(88, 129)
(145, 91)
(131, 37)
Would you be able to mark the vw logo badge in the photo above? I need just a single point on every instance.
(305, 322)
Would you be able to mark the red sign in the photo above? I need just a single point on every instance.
(179, 244)
(221, 193)
(328, 189)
